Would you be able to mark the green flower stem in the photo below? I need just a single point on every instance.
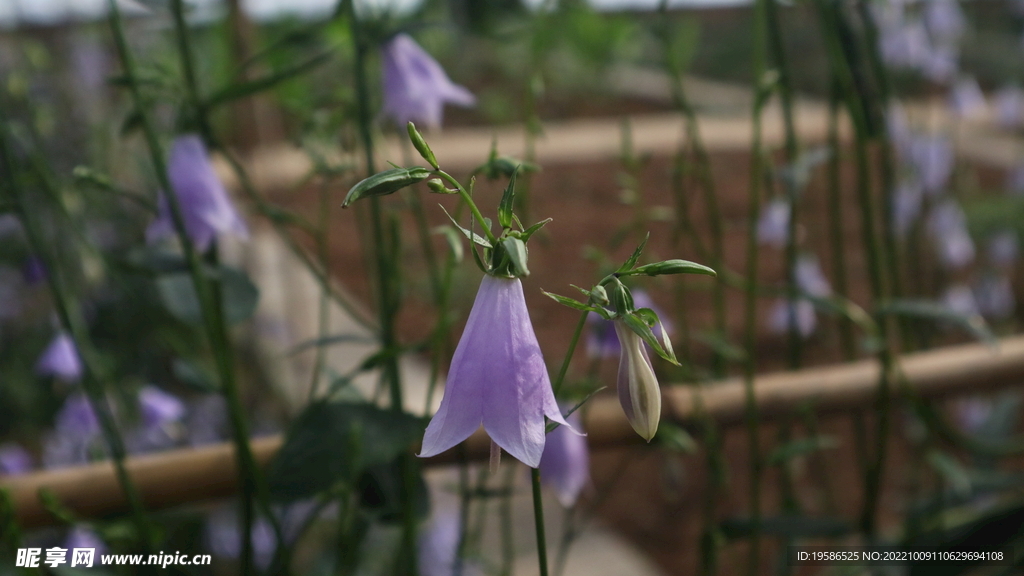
(753, 424)
(388, 297)
(72, 321)
(569, 353)
(469, 202)
(208, 292)
(538, 517)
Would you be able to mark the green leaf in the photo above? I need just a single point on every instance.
(628, 265)
(478, 239)
(526, 234)
(671, 267)
(516, 250)
(245, 89)
(239, 296)
(507, 200)
(386, 182)
(576, 305)
(800, 447)
(334, 442)
(938, 312)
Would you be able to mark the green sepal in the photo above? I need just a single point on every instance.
(421, 145)
(507, 199)
(671, 267)
(628, 265)
(576, 305)
(516, 250)
(526, 234)
(478, 239)
(639, 325)
(386, 182)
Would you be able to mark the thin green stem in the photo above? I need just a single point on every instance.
(569, 353)
(469, 202)
(538, 517)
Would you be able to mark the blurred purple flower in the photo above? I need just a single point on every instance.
(994, 296)
(948, 228)
(498, 378)
(780, 314)
(960, 300)
(33, 270)
(810, 279)
(60, 359)
(14, 460)
(966, 98)
(773, 224)
(438, 547)
(77, 417)
(602, 342)
(906, 206)
(76, 429)
(205, 205)
(565, 465)
(941, 64)
(223, 539)
(158, 407)
(1015, 180)
(207, 420)
(972, 413)
(416, 88)
(944, 19)
(82, 537)
(1009, 107)
(1003, 248)
(904, 44)
(898, 127)
(932, 157)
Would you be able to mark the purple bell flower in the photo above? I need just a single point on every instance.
(497, 378)
(1003, 248)
(33, 270)
(906, 206)
(416, 88)
(994, 296)
(1009, 107)
(638, 388)
(940, 65)
(948, 228)
(14, 460)
(438, 545)
(77, 417)
(76, 429)
(205, 205)
(773, 224)
(960, 300)
(223, 539)
(904, 45)
(810, 279)
(944, 19)
(932, 158)
(82, 537)
(60, 359)
(966, 98)
(158, 407)
(565, 465)
(780, 315)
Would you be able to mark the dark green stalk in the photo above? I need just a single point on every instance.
(569, 353)
(71, 320)
(323, 320)
(750, 299)
(835, 213)
(388, 297)
(538, 517)
(508, 549)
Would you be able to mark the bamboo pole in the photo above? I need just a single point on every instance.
(185, 476)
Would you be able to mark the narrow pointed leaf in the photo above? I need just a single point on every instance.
(476, 238)
(576, 305)
(386, 182)
(672, 267)
(507, 200)
(628, 265)
(638, 325)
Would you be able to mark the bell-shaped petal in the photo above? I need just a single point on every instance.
(60, 359)
(205, 205)
(416, 88)
(565, 465)
(497, 378)
(639, 392)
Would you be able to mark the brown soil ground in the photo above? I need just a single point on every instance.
(662, 509)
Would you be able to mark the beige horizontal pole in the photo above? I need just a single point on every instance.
(183, 476)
